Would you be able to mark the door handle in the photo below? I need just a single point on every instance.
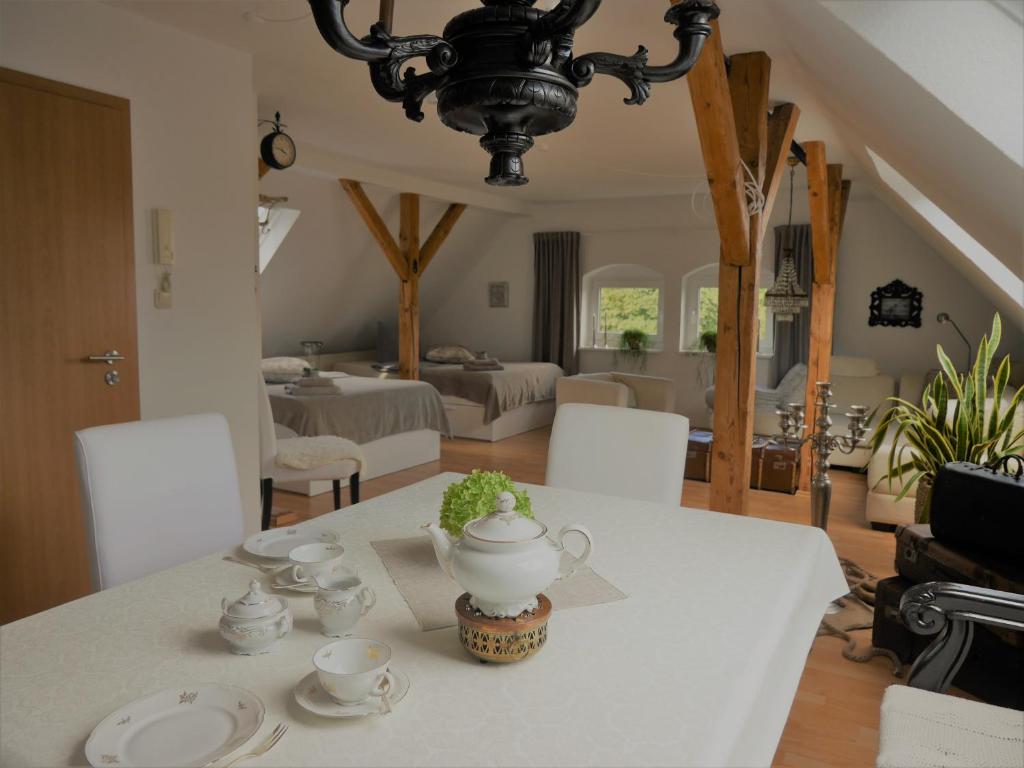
(107, 357)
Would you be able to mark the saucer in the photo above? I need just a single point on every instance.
(313, 698)
(282, 579)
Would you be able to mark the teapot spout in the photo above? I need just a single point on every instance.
(442, 546)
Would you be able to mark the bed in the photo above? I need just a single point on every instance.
(484, 405)
(398, 424)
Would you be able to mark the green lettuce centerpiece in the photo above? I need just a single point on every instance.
(476, 497)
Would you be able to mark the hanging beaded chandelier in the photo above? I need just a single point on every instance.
(506, 72)
(786, 298)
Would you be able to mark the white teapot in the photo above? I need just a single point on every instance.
(254, 622)
(503, 560)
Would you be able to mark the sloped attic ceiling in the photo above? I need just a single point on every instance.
(932, 86)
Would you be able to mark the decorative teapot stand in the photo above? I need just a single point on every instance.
(502, 640)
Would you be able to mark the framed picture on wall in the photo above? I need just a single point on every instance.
(896, 304)
(497, 294)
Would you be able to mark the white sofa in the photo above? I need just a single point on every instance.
(625, 390)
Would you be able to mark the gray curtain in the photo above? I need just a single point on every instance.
(556, 299)
(793, 340)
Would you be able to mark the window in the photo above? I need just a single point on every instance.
(700, 310)
(618, 298)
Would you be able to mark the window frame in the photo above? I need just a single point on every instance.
(597, 285)
(689, 300)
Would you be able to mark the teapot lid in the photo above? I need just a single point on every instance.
(505, 525)
(255, 604)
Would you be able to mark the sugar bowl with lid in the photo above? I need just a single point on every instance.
(254, 622)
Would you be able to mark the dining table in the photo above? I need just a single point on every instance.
(697, 666)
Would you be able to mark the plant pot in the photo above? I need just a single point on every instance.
(634, 346)
(923, 501)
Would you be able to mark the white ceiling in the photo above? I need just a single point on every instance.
(612, 150)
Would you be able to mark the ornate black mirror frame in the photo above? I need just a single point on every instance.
(897, 289)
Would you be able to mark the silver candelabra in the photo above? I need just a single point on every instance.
(823, 442)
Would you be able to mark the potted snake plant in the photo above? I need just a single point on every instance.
(961, 417)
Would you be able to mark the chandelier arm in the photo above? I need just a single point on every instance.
(564, 18)
(692, 20)
(417, 88)
(329, 16)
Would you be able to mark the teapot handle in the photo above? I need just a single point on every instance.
(588, 546)
(368, 598)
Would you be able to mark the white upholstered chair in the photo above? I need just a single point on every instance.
(625, 452)
(157, 493)
(276, 437)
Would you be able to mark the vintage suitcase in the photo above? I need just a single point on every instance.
(920, 557)
(992, 670)
(774, 467)
(698, 456)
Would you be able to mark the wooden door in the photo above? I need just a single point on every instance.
(67, 291)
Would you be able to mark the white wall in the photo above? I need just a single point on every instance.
(193, 123)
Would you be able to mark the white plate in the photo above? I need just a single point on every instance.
(276, 543)
(282, 579)
(188, 726)
(313, 698)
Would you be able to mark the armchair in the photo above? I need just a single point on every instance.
(920, 726)
(624, 390)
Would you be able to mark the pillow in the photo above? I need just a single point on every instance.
(453, 353)
(858, 367)
(281, 366)
(281, 378)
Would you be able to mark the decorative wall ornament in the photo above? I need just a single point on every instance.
(506, 71)
(497, 294)
(896, 304)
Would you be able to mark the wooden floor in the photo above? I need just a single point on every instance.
(834, 719)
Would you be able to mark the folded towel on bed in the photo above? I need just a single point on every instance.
(483, 364)
(313, 381)
(316, 452)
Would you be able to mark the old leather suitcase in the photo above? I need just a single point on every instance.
(992, 670)
(698, 456)
(774, 467)
(920, 557)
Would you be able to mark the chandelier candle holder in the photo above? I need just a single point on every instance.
(823, 442)
(506, 71)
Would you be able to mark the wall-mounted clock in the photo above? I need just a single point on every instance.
(277, 148)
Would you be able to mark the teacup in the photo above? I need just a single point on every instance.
(312, 560)
(341, 598)
(353, 669)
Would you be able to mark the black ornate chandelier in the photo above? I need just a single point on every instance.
(506, 71)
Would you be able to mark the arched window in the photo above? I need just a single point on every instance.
(622, 297)
(699, 311)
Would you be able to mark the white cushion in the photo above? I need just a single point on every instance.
(316, 452)
(157, 493)
(626, 452)
(853, 366)
(921, 729)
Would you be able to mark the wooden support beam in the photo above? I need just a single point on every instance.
(439, 234)
(261, 167)
(716, 126)
(828, 195)
(408, 259)
(378, 229)
(732, 121)
(409, 290)
(781, 128)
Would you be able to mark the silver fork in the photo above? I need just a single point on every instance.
(257, 566)
(263, 748)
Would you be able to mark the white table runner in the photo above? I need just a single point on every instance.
(698, 667)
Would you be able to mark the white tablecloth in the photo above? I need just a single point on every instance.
(698, 666)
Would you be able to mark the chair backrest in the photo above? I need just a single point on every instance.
(268, 437)
(623, 452)
(157, 493)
